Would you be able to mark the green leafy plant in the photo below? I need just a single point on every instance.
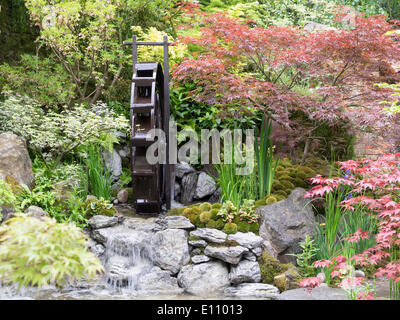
(38, 252)
(7, 197)
(306, 257)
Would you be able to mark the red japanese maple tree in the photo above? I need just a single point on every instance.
(382, 179)
(328, 76)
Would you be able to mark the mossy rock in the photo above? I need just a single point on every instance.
(175, 212)
(205, 216)
(230, 228)
(270, 200)
(307, 171)
(270, 267)
(194, 238)
(226, 243)
(214, 214)
(281, 193)
(216, 206)
(219, 224)
(254, 227)
(236, 220)
(187, 211)
(277, 185)
(14, 185)
(260, 203)
(243, 226)
(205, 206)
(286, 177)
(196, 210)
(300, 183)
(211, 224)
(279, 197)
(287, 184)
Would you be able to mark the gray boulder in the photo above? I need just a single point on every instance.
(183, 168)
(99, 221)
(170, 250)
(245, 271)
(189, 183)
(122, 196)
(323, 292)
(178, 222)
(284, 224)
(158, 281)
(230, 254)
(248, 239)
(14, 159)
(253, 290)
(210, 235)
(206, 186)
(200, 258)
(35, 211)
(205, 279)
(113, 163)
(198, 243)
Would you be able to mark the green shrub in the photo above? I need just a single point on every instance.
(230, 228)
(37, 252)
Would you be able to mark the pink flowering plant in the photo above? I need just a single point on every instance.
(374, 187)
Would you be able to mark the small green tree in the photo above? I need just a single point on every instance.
(39, 252)
(86, 36)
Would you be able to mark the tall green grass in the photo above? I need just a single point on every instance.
(98, 176)
(266, 166)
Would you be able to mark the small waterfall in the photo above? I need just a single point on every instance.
(126, 259)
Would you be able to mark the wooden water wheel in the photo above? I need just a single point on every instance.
(149, 109)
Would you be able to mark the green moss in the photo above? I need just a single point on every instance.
(196, 210)
(286, 177)
(287, 184)
(227, 243)
(230, 228)
(279, 197)
(205, 216)
(194, 238)
(281, 193)
(260, 203)
(270, 200)
(211, 224)
(307, 171)
(279, 168)
(219, 224)
(276, 185)
(243, 226)
(15, 186)
(270, 267)
(194, 218)
(187, 211)
(254, 227)
(214, 214)
(300, 183)
(108, 212)
(216, 206)
(175, 212)
(205, 206)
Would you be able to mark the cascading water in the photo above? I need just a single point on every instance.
(126, 259)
